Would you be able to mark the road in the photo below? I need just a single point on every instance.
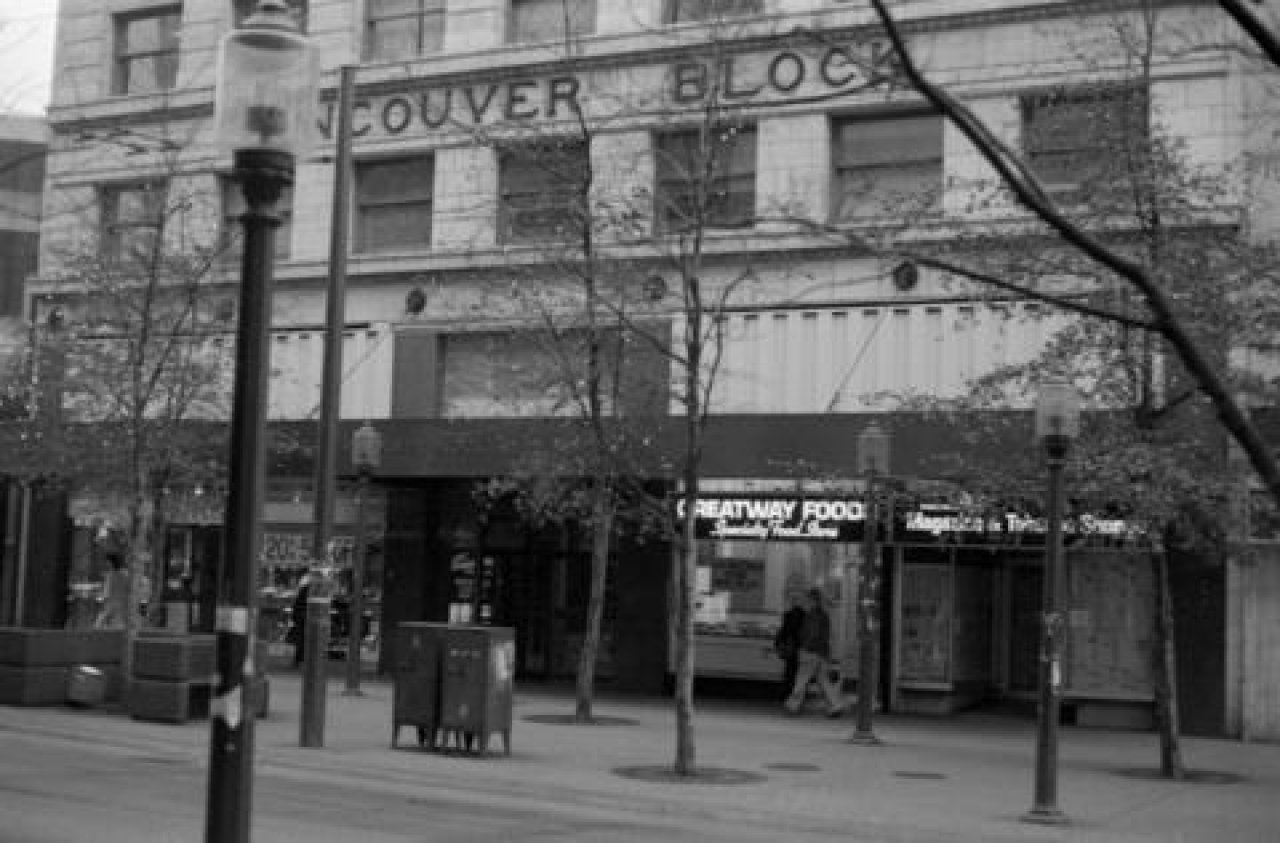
(53, 790)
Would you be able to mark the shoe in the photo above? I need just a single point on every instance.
(838, 711)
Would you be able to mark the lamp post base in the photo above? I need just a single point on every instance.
(1045, 816)
(865, 738)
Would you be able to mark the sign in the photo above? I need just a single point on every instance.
(776, 517)
(752, 78)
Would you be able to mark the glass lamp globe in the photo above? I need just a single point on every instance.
(267, 78)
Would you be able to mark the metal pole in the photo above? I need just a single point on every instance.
(355, 630)
(868, 583)
(313, 685)
(1045, 809)
(262, 175)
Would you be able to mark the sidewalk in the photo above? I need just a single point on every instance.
(962, 778)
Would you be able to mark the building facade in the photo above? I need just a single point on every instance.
(473, 124)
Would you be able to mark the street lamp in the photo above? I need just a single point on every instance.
(872, 460)
(1057, 423)
(366, 457)
(264, 115)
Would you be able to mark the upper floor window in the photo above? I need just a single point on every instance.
(146, 50)
(401, 28)
(393, 201)
(705, 178)
(540, 187)
(132, 220)
(1071, 138)
(550, 20)
(685, 11)
(887, 164)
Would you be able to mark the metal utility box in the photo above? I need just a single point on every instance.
(416, 672)
(478, 683)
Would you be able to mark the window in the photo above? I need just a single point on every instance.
(684, 162)
(540, 186)
(887, 164)
(686, 11)
(146, 53)
(132, 220)
(400, 28)
(1073, 137)
(231, 242)
(550, 20)
(393, 204)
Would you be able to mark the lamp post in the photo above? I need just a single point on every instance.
(1057, 423)
(872, 460)
(366, 456)
(264, 114)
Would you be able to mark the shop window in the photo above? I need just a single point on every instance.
(231, 240)
(146, 50)
(1073, 138)
(132, 220)
(706, 178)
(686, 11)
(887, 165)
(393, 200)
(403, 28)
(534, 21)
(540, 189)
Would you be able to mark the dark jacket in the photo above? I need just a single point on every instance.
(787, 641)
(815, 634)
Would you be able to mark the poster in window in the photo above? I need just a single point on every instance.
(925, 648)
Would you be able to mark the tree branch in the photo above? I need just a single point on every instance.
(1029, 192)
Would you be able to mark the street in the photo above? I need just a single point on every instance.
(55, 790)
(98, 776)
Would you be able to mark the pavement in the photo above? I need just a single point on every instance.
(965, 777)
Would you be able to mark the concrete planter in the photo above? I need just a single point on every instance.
(36, 664)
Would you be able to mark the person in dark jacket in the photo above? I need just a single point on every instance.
(298, 620)
(815, 657)
(787, 642)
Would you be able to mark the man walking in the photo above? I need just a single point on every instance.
(815, 657)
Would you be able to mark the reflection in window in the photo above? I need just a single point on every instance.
(888, 164)
(706, 178)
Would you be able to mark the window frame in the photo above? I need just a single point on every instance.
(361, 204)
(842, 171)
(112, 229)
(562, 205)
(436, 10)
(592, 22)
(1118, 98)
(676, 12)
(123, 59)
(665, 200)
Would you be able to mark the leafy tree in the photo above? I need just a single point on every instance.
(129, 373)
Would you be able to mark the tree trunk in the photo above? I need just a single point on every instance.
(1165, 673)
(602, 535)
(686, 568)
(138, 555)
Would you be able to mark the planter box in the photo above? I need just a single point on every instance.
(167, 701)
(34, 685)
(174, 657)
(36, 647)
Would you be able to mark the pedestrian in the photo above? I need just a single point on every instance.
(786, 643)
(297, 635)
(815, 657)
(115, 594)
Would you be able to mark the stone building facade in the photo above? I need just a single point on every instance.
(455, 219)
